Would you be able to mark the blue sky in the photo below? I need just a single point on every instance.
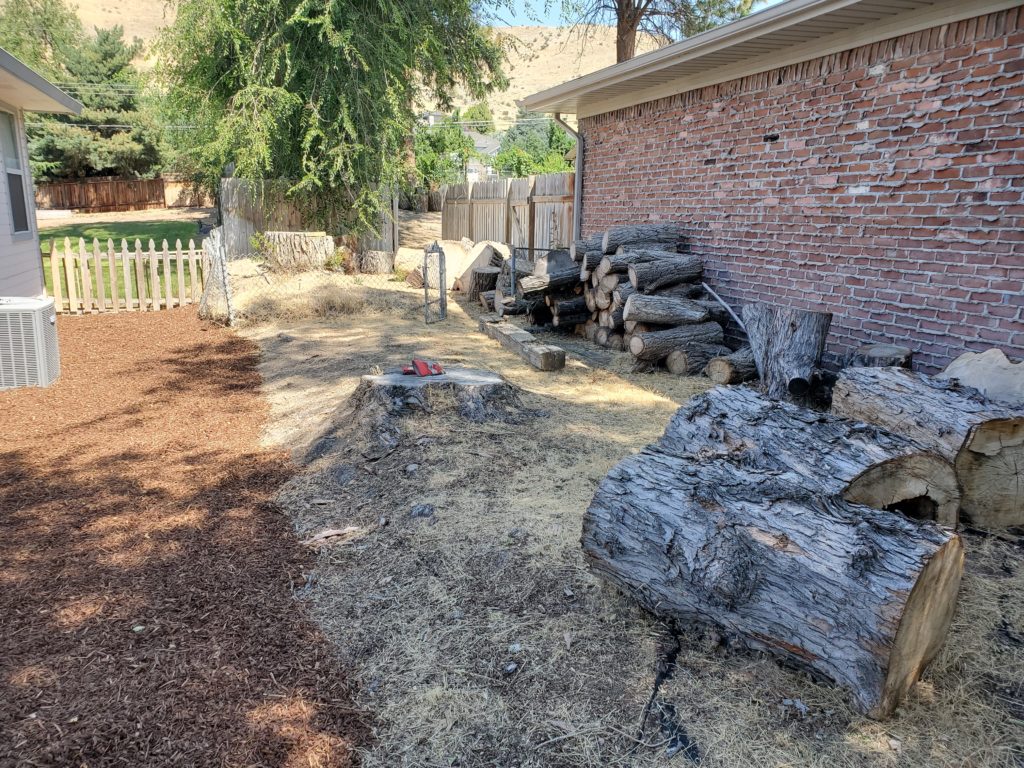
(535, 13)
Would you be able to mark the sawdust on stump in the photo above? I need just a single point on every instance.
(148, 603)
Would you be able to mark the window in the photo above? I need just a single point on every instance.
(15, 171)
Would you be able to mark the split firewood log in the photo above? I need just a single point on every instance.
(983, 440)
(859, 596)
(602, 298)
(691, 359)
(880, 356)
(650, 276)
(656, 345)
(659, 232)
(862, 464)
(665, 310)
(787, 344)
(590, 297)
(732, 367)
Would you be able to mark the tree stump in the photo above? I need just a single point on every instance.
(376, 262)
(826, 454)
(880, 356)
(859, 596)
(787, 344)
(733, 367)
(983, 440)
(297, 251)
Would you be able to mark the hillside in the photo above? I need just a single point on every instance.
(538, 57)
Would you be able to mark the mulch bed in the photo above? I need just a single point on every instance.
(147, 608)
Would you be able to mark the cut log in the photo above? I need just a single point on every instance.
(602, 298)
(691, 359)
(543, 357)
(487, 300)
(578, 247)
(880, 356)
(990, 372)
(661, 232)
(576, 305)
(716, 311)
(482, 279)
(608, 318)
(733, 367)
(590, 297)
(509, 305)
(983, 440)
(859, 596)
(609, 283)
(590, 330)
(787, 345)
(376, 262)
(555, 260)
(588, 263)
(539, 314)
(570, 320)
(680, 290)
(619, 264)
(539, 284)
(621, 294)
(656, 345)
(651, 276)
(823, 454)
(648, 246)
(666, 310)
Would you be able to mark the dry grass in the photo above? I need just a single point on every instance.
(429, 613)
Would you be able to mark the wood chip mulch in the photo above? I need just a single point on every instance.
(147, 609)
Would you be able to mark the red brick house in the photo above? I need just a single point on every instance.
(864, 157)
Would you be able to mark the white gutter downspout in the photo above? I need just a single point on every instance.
(577, 193)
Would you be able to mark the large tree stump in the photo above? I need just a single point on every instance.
(376, 262)
(859, 596)
(651, 276)
(656, 345)
(733, 367)
(984, 440)
(297, 251)
(660, 232)
(482, 279)
(864, 465)
(691, 359)
(787, 345)
(663, 310)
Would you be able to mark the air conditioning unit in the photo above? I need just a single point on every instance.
(28, 343)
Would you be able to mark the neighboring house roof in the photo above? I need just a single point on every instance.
(26, 89)
(788, 33)
(484, 144)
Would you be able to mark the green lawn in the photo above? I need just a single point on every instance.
(158, 231)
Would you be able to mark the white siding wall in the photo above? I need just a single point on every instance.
(21, 270)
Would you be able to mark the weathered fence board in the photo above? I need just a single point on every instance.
(102, 194)
(99, 278)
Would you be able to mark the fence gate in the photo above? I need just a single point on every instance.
(435, 295)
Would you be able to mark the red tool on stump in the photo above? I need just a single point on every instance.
(422, 368)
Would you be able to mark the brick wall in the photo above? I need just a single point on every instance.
(883, 183)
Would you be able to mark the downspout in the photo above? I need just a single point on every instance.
(577, 193)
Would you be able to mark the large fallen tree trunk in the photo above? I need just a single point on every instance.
(650, 276)
(825, 454)
(662, 232)
(787, 345)
(984, 440)
(860, 596)
(656, 345)
(664, 310)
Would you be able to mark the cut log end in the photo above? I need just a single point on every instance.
(918, 485)
(991, 470)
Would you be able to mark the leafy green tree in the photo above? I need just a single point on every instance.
(320, 93)
(442, 151)
(481, 118)
(39, 33)
(533, 145)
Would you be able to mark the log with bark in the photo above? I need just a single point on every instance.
(648, 246)
(665, 310)
(819, 452)
(487, 300)
(539, 314)
(732, 367)
(787, 345)
(619, 264)
(680, 290)
(621, 294)
(578, 247)
(608, 318)
(661, 232)
(573, 305)
(540, 284)
(589, 261)
(482, 279)
(691, 359)
(376, 262)
(609, 338)
(570, 320)
(880, 356)
(859, 596)
(656, 345)
(983, 440)
(509, 305)
(650, 276)
(602, 298)
(590, 330)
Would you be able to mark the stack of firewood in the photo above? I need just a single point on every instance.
(646, 297)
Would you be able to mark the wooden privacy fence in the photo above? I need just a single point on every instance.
(105, 194)
(109, 279)
(533, 212)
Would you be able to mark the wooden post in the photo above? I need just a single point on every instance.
(154, 277)
(180, 269)
(195, 281)
(127, 274)
(101, 294)
(58, 299)
(83, 266)
(115, 294)
(140, 275)
(168, 282)
(71, 277)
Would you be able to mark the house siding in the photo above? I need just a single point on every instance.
(883, 184)
(21, 269)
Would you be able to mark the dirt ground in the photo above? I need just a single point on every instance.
(148, 603)
(477, 635)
